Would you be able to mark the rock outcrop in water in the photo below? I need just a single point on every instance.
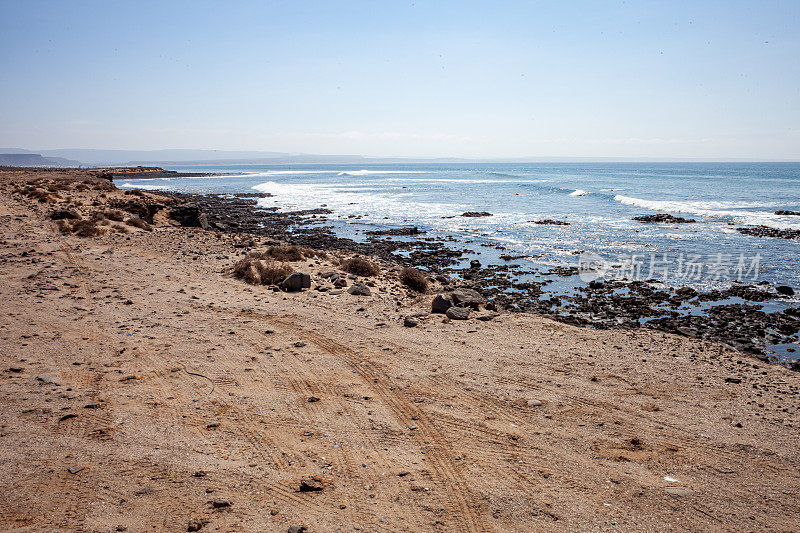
(664, 218)
(766, 231)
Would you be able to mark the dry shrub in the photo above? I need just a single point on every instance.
(360, 267)
(139, 223)
(84, 227)
(114, 214)
(414, 279)
(39, 194)
(259, 272)
(286, 253)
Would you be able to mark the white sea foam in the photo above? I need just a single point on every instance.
(716, 209)
(579, 192)
(148, 186)
(369, 172)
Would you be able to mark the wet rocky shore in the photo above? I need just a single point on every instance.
(741, 317)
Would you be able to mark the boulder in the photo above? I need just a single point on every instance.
(476, 214)
(296, 281)
(410, 322)
(785, 290)
(441, 303)
(468, 298)
(359, 289)
(189, 215)
(458, 313)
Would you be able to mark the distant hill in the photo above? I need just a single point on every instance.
(36, 160)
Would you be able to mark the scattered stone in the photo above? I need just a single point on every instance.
(299, 344)
(310, 485)
(458, 313)
(312, 399)
(49, 378)
(297, 529)
(679, 492)
(410, 322)
(67, 417)
(220, 504)
(664, 218)
(359, 289)
(733, 380)
(296, 281)
(441, 303)
(75, 469)
(534, 403)
(194, 525)
(15, 369)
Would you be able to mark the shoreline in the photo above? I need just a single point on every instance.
(738, 320)
(144, 386)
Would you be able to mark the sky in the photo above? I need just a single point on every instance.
(660, 79)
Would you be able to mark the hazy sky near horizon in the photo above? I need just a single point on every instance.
(419, 79)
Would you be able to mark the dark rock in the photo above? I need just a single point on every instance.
(468, 298)
(189, 215)
(551, 222)
(15, 369)
(194, 525)
(733, 380)
(310, 485)
(410, 322)
(458, 313)
(474, 264)
(788, 213)
(220, 504)
(359, 289)
(441, 303)
(663, 217)
(785, 290)
(475, 214)
(297, 529)
(61, 214)
(296, 281)
(766, 231)
(312, 399)
(397, 231)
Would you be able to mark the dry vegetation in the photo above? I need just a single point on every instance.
(257, 271)
(138, 223)
(414, 279)
(287, 253)
(360, 267)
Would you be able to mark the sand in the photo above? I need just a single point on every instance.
(143, 389)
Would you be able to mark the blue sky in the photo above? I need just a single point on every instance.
(420, 79)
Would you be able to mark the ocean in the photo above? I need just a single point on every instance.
(597, 200)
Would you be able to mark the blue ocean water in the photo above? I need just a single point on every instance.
(598, 200)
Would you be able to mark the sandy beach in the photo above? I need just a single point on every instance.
(144, 388)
